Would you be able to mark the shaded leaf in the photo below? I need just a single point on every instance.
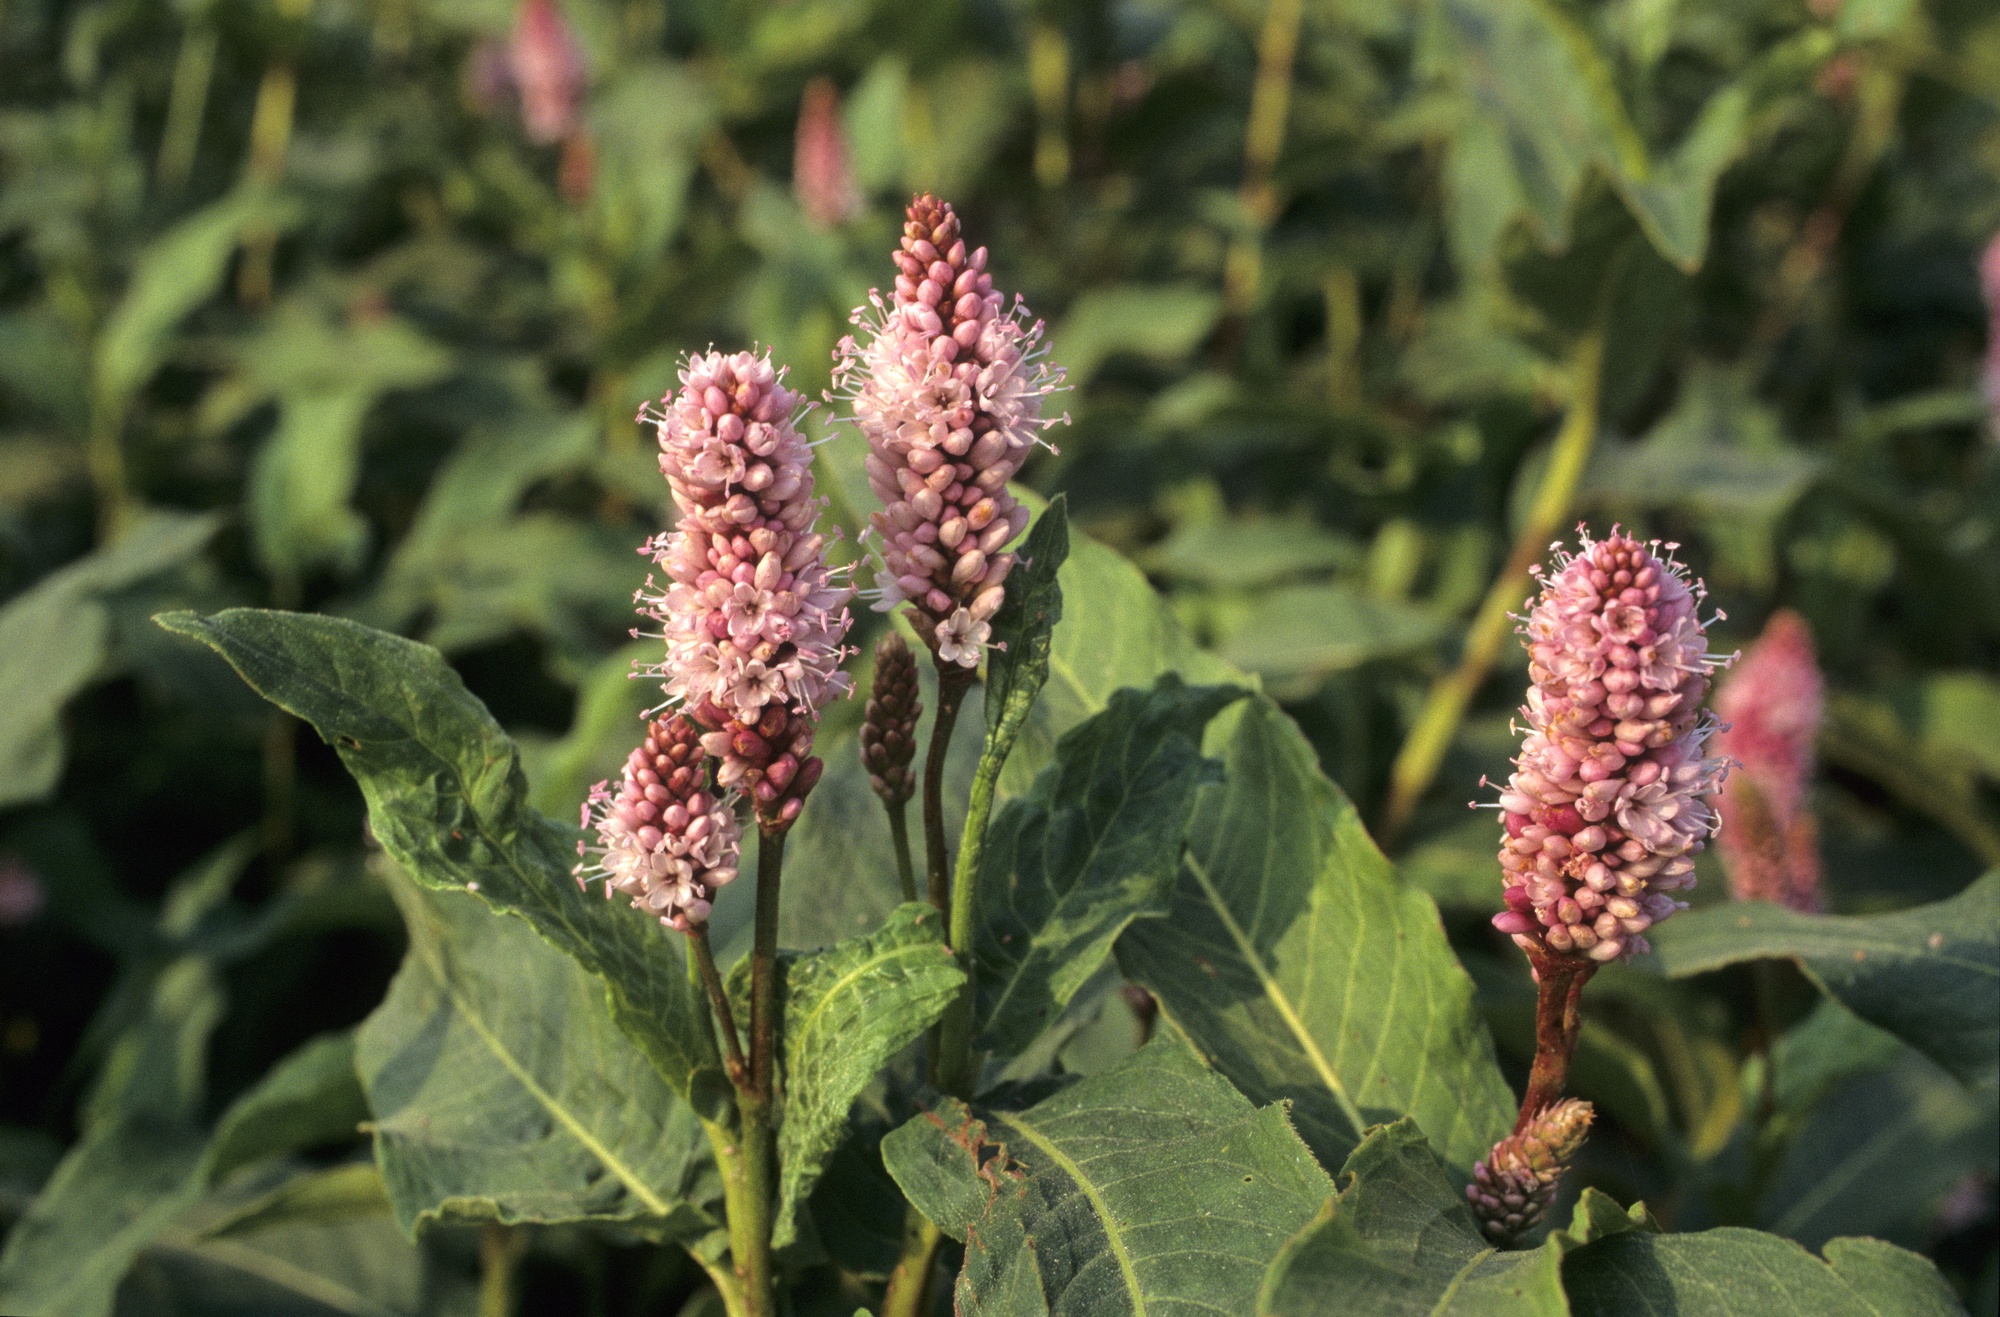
(1091, 848)
(1151, 1187)
(314, 1197)
(1298, 962)
(1929, 975)
(848, 1009)
(1022, 632)
(1743, 1273)
(1311, 631)
(446, 799)
(501, 1091)
(1161, 322)
(1400, 1239)
(312, 1096)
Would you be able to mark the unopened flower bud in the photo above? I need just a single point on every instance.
(889, 730)
(1514, 1186)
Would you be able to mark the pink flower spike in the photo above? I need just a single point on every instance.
(821, 178)
(1771, 707)
(663, 838)
(548, 68)
(1608, 803)
(1989, 282)
(948, 390)
(753, 617)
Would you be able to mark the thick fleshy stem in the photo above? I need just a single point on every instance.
(889, 744)
(1559, 981)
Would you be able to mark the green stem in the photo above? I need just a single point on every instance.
(750, 1215)
(718, 1001)
(194, 71)
(745, 1207)
(899, 830)
(956, 1070)
(953, 682)
(500, 1248)
(909, 1289)
(1437, 725)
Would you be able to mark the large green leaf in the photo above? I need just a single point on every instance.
(446, 799)
(502, 1091)
(1306, 970)
(1151, 1187)
(1743, 1273)
(848, 1009)
(134, 1169)
(1091, 848)
(312, 1096)
(55, 637)
(1929, 975)
(1400, 1240)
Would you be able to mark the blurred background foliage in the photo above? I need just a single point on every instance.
(348, 305)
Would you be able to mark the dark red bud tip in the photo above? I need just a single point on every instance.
(809, 775)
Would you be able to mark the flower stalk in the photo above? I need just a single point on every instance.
(889, 745)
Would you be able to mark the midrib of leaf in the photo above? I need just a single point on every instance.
(841, 984)
(1464, 1272)
(1278, 999)
(626, 1175)
(1096, 846)
(1112, 1237)
(1842, 1176)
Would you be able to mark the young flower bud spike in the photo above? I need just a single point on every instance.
(948, 390)
(1608, 802)
(1514, 1186)
(889, 731)
(1770, 709)
(753, 617)
(663, 837)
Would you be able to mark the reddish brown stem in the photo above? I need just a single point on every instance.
(1558, 1020)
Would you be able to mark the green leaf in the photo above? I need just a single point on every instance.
(501, 1091)
(1929, 975)
(1298, 962)
(1022, 632)
(357, 1266)
(1151, 1187)
(179, 271)
(314, 1197)
(1743, 1273)
(1091, 848)
(1878, 1154)
(1400, 1240)
(1307, 632)
(312, 1096)
(940, 1159)
(1162, 322)
(446, 799)
(55, 638)
(848, 1009)
(134, 1169)
(302, 480)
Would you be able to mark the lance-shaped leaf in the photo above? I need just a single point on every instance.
(446, 798)
(1744, 1273)
(1023, 630)
(1299, 963)
(501, 1091)
(1929, 975)
(1152, 1187)
(312, 1096)
(1092, 847)
(848, 1009)
(1401, 1240)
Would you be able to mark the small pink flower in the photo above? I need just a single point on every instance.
(1989, 281)
(1771, 706)
(547, 66)
(821, 178)
(1608, 803)
(663, 838)
(752, 616)
(948, 389)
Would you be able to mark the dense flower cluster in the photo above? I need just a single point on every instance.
(822, 178)
(752, 616)
(948, 389)
(548, 70)
(889, 730)
(1770, 709)
(1513, 1187)
(1607, 805)
(663, 838)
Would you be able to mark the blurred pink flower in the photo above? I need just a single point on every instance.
(1608, 803)
(1989, 281)
(22, 894)
(1771, 706)
(548, 70)
(821, 177)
